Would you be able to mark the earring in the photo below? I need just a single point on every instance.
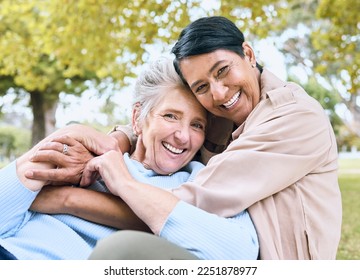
(253, 65)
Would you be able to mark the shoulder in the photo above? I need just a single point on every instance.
(283, 97)
(285, 109)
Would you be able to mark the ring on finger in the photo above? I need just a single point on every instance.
(65, 149)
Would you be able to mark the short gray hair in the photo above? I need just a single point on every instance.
(155, 81)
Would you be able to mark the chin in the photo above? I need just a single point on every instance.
(170, 171)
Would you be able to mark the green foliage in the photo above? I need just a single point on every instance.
(48, 47)
(255, 17)
(347, 139)
(327, 98)
(6, 144)
(337, 41)
(46, 42)
(14, 141)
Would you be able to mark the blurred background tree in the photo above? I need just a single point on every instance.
(49, 47)
(53, 48)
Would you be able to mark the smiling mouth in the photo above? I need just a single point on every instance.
(232, 101)
(172, 148)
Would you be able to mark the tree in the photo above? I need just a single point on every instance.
(48, 47)
(327, 98)
(337, 45)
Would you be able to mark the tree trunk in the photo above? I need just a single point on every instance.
(38, 126)
(44, 116)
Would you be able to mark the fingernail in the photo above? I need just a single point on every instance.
(29, 173)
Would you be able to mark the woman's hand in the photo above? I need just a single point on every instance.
(111, 167)
(93, 140)
(67, 154)
(83, 143)
(151, 204)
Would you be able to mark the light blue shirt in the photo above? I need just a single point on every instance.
(30, 235)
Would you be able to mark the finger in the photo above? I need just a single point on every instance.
(55, 146)
(50, 156)
(45, 175)
(88, 178)
(66, 139)
(90, 172)
(55, 176)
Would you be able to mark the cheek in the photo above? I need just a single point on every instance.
(198, 141)
(205, 101)
(149, 136)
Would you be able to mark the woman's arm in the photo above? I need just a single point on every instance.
(206, 235)
(151, 204)
(209, 236)
(99, 207)
(125, 137)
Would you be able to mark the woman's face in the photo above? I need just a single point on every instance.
(224, 83)
(172, 133)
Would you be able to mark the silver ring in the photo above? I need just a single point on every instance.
(65, 149)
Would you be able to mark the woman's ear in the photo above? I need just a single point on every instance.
(135, 119)
(249, 53)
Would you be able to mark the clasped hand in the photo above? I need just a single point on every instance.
(69, 150)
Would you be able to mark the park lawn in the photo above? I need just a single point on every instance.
(349, 180)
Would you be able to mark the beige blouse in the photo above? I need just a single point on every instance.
(282, 166)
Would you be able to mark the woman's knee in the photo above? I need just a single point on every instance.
(136, 245)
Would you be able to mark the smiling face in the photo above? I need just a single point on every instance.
(172, 132)
(225, 83)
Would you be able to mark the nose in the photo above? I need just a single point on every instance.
(218, 92)
(182, 134)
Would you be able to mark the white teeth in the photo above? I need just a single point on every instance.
(232, 101)
(172, 148)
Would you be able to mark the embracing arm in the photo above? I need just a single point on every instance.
(99, 207)
(125, 137)
(209, 236)
(178, 222)
(151, 204)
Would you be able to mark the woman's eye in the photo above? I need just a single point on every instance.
(199, 126)
(201, 89)
(169, 116)
(222, 72)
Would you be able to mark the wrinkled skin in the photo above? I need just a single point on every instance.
(83, 144)
(69, 167)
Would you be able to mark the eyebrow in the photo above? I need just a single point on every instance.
(180, 112)
(209, 72)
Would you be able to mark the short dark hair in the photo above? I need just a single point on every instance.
(206, 35)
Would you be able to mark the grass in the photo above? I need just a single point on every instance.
(349, 180)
